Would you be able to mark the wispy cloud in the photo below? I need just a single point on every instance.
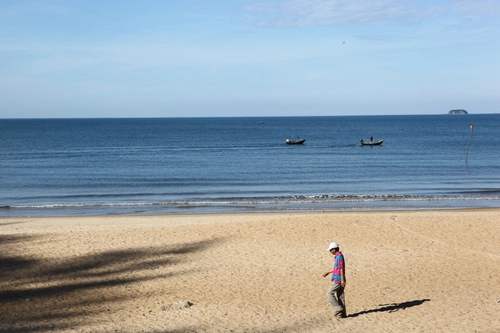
(338, 12)
(22, 8)
(303, 13)
(469, 8)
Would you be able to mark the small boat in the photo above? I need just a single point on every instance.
(295, 142)
(371, 143)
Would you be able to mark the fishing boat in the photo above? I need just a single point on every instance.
(371, 143)
(295, 142)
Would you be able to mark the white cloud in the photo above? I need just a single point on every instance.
(474, 8)
(339, 12)
(18, 9)
(303, 13)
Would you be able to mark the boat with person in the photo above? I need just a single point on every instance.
(371, 143)
(295, 142)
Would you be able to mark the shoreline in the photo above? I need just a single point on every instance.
(254, 212)
(274, 204)
(250, 272)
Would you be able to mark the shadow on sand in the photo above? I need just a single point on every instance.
(392, 307)
(37, 294)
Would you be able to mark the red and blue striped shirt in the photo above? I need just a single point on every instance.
(338, 264)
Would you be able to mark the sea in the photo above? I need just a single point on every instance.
(153, 166)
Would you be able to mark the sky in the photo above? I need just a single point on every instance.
(195, 58)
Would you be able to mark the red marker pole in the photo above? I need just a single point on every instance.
(471, 127)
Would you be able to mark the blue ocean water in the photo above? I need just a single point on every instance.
(67, 167)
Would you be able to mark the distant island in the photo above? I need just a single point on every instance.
(458, 111)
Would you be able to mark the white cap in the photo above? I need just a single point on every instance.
(333, 246)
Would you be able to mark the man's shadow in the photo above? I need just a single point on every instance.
(392, 307)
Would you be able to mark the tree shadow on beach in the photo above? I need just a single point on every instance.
(38, 294)
(393, 307)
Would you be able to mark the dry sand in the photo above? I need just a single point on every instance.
(425, 271)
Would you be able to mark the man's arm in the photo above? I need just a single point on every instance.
(327, 273)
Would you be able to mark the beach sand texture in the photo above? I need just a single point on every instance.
(415, 271)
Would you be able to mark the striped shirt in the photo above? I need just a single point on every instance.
(338, 264)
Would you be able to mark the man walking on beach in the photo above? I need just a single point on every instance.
(335, 293)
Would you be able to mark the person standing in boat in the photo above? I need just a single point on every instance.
(371, 138)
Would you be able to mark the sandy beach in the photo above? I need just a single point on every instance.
(407, 271)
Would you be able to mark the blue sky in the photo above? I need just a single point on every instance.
(122, 58)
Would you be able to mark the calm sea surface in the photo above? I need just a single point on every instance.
(66, 167)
